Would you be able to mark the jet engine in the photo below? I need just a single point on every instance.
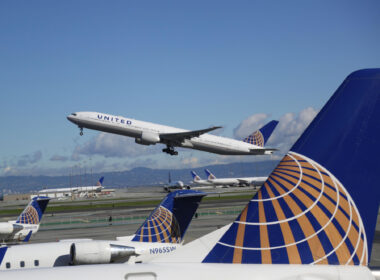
(99, 252)
(148, 138)
(8, 228)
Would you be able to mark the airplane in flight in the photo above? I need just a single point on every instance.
(26, 224)
(310, 220)
(146, 133)
(238, 181)
(162, 233)
(97, 188)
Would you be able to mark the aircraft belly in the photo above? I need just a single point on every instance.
(218, 149)
(110, 128)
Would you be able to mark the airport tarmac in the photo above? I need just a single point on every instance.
(212, 215)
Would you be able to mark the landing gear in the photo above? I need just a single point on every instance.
(81, 131)
(170, 150)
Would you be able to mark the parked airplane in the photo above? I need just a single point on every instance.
(177, 185)
(97, 188)
(161, 233)
(200, 182)
(26, 224)
(226, 182)
(146, 133)
(239, 181)
(308, 221)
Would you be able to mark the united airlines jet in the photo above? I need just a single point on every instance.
(146, 133)
(81, 189)
(238, 181)
(26, 224)
(162, 233)
(314, 218)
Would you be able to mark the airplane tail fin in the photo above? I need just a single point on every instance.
(33, 212)
(320, 204)
(261, 136)
(169, 221)
(195, 176)
(209, 175)
(100, 182)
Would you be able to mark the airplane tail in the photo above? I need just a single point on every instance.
(261, 136)
(100, 182)
(320, 204)
(209, 175)
(195, 176)
(169, 221)
(33, 212)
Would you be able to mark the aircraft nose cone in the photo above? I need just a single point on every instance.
(71, 118)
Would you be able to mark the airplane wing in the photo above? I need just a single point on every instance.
(180, 136)
(244, 181)
(265, 151)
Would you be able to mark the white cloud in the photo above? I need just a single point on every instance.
(290, 128)
(250, 124)
(113, 146)
(29, 159)
(59, 158)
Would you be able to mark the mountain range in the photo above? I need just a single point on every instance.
(140, 176)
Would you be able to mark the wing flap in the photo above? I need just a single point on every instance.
(180, 136)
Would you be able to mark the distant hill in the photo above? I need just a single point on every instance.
(140, 176)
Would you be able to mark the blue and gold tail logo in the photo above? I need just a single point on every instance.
(301, 215)
(255, 138)
(161, 226)
(29, 216)
(32, 214)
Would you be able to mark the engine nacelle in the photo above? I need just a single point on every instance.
(8, 228)
(99, 252)
(148, 138)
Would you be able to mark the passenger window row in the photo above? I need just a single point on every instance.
(22, 264)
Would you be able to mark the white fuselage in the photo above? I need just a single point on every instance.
(242, 181)
(140, 129)
(53, 254)
(191, 271)
(15, 232)
(73, 189)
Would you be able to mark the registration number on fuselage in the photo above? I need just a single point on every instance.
(162, 250)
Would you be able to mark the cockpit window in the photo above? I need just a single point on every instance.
(73, 114)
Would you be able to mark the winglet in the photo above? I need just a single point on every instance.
(261, 136)
(33, 212)
(209, 175)
(169, 221)
(320, 204)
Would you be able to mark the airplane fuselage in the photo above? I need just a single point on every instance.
(54, 254)
(18, 232)
(147, 133)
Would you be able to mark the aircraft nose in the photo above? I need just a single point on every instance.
(71, 118)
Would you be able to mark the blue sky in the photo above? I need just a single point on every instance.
(187, 64)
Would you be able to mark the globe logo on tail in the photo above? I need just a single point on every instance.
(301, 215)
(161, 226)
(29, 216)
(255, 138)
